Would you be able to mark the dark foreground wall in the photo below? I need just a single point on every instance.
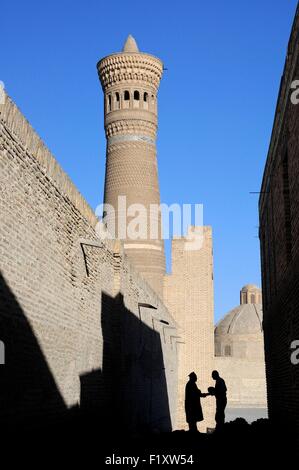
(279, 237)
(79, 325)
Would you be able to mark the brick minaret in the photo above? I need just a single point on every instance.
(130, 81)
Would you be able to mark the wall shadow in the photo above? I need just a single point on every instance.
(27, 388)
(130, 392)
(128, 396)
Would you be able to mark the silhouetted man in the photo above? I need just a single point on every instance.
(221, 400)
(192, 403)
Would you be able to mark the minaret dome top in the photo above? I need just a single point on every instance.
(130, 45)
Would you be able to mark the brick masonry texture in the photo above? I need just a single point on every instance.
(279, 237)
(77, 320)
(239, 351)
(83, 321)
(130, 81)
(244, 378)
(188, 293)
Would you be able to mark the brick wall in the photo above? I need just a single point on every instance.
(245, 381)
(188, 293)
(77, 321)
(279, 236)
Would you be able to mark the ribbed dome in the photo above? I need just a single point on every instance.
(244, 319)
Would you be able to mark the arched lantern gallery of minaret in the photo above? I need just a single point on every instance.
(130, 81)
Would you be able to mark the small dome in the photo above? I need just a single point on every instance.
(244, 319)
(249, 287)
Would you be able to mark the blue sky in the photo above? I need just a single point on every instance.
(216, 102)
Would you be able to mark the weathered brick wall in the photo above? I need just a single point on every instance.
(70, 318)
(188, 293)
(279, 236)
(245, 381)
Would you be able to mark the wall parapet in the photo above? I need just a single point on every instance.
(21, 130)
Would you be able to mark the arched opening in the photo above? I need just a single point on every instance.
(117, 100)
(109, 104)
(145, 100)
(217, 348)
(136, 99)
(126, 102)
(153, 103)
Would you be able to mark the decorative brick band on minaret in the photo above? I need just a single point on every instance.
(130, 81)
